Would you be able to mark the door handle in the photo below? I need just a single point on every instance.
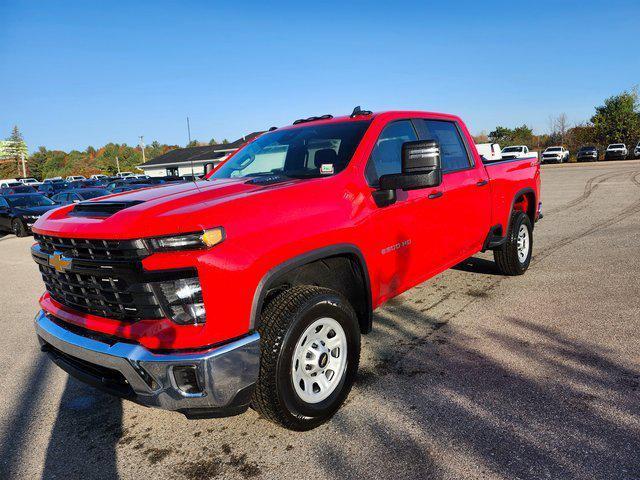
(482, 183)
(435, 195)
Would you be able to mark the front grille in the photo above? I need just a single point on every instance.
(100, 277)
(103, 295)
(93, 249)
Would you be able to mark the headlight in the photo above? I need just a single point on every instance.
(188, 241)
(182, 301)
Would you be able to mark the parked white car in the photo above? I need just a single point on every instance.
(616, 151)
(32, 182)
(7, 182)
(489, 151)
(517, 151)
(98, 176)
(73, 178)
(124, 174)
(555, 155)
(636, 151)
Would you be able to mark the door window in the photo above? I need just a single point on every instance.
(386, 157)
(453, 152)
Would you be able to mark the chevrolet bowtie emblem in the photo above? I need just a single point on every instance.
(58, 262)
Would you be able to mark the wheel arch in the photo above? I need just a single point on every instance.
(341, 267)
(526, 201)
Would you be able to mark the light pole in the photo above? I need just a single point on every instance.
(142, 146)
(118, 164)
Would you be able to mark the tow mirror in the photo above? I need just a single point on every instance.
(421, 168)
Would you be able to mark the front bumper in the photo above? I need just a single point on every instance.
(226, 374)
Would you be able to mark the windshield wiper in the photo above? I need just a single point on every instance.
(303, 174)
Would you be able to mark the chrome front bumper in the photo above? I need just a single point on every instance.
(226, 374)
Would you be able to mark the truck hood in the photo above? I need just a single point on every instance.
(155, 211)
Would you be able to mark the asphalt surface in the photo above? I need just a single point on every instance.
(469, 375)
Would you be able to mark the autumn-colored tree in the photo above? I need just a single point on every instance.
(618, 120)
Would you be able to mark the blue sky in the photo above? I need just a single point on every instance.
(85, 73)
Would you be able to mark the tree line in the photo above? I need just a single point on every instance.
(617, 120)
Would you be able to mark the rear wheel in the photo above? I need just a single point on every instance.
(18, 228)
(310, 350)
(514, 256)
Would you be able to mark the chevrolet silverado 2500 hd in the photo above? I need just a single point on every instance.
(252, 287)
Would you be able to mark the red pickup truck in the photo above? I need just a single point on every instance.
(252, 287)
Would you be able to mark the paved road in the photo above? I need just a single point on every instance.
(470, 375)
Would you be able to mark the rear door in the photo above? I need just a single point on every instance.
(466, 195)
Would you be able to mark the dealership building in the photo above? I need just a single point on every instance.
(196, 160)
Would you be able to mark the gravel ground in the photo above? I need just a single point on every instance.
(469, 375)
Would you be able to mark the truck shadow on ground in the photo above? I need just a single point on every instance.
(15, 438)
(85, 435)
(542, 406)
(478, 265)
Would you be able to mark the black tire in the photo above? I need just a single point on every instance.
(283, 322)
(18, 228)
(506, 256)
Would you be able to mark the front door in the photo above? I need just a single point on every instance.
(5, 219)
(406, 234)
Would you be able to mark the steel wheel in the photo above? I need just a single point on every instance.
(523, 243)
(319, 360)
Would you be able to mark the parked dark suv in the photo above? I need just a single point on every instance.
(19, 212)
(587, 154)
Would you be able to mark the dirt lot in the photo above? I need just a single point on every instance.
(470, 375)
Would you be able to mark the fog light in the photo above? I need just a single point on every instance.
(186, 378)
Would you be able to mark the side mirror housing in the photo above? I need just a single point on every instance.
(421, 168)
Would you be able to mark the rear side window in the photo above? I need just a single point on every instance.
(386, 157)
(452, 149)
(3, 202)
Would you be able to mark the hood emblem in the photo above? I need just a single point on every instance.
(58, 262)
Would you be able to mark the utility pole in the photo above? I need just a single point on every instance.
(118, 164)
(142, 146)
(24, 165)
(188, 129)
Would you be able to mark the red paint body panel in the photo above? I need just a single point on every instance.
(268, 225)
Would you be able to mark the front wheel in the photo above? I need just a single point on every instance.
(514, 256)
(310, 350)
(18, 228)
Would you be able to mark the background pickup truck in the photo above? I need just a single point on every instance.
(517, 151)
(616, 151)
(555, 155)
(253, 287)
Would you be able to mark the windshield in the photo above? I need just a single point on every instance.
(94, 194)
(23, 189)
(303, 152)
(587, 149)
(29, 201)
(512, 149)
(554, 149)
